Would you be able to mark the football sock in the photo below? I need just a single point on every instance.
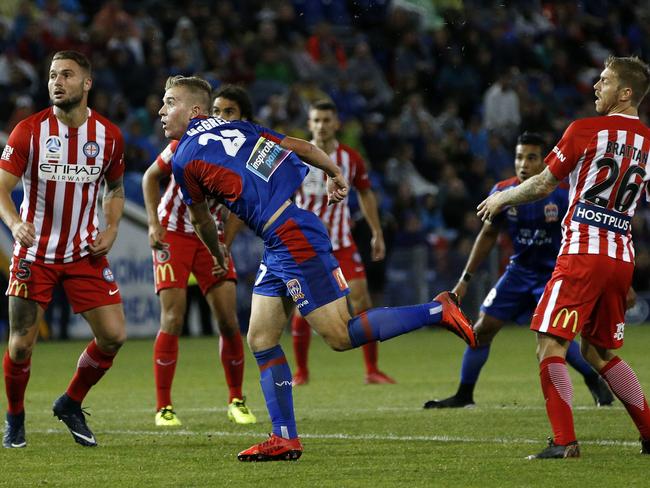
(231, 352)
(92, 365)
(624, 384)
(165, 357)
(473, 361)
(575, 359)
(16, 379)
(385, 323)
(275, 379)
(301, 334)
(558, 393)
(370, 353)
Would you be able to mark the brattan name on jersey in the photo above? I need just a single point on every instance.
(74, 173)
(601, 217)
(265, 158)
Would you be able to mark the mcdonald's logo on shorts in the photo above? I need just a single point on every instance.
(567, 317)
(18, 287)
(162, 270)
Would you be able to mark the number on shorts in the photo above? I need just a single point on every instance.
(24, 271)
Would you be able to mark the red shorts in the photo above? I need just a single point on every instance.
(186, 253)
(586, 295)
(350, 263)
(88, 283)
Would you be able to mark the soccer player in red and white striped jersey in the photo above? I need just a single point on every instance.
(605, 159)
(62, 154)
(323, 124)
(177, 252)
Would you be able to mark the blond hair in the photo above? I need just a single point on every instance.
(199, 88)
(632, 73)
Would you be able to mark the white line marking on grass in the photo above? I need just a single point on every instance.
(341, 436)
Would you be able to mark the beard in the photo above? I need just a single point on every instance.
(69, 104)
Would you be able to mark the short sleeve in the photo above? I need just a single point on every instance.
(270, 134)
(564, 156)
(360, 181)
(116, 164)
(164, 159)
(16, 152)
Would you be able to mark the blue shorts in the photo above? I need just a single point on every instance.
(298, 262)
(515, 296)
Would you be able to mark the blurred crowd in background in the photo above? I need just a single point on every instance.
(432, 92)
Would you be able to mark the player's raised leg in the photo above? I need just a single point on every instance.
(108, 326)
(268, 317)
(24, 315)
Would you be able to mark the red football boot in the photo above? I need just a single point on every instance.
(275, 448)
(379, 378)
(453, 318)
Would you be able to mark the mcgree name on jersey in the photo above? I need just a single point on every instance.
(74, 173)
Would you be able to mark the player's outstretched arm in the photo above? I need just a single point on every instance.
(23, 232)
(337, 185)
(483, 244)
(530, 190)
(151, 193)
(368, 205)
(206, 229)
(113, 206)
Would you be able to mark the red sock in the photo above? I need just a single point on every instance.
(16, 378)
(231, 351)
(370, 353)
(558, 393)
(625, 385)
(165, 355)
(92, 365)
(301, 333)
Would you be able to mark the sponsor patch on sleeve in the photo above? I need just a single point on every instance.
(266, 157)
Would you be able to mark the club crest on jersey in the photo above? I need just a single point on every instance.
(108, 275)
(91, 149)
(551, 212)
(266, 157)
(53, 147)
(295, 290)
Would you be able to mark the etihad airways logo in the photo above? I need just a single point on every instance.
(72, 173)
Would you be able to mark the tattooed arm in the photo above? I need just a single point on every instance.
(530, 190)
(113, 206)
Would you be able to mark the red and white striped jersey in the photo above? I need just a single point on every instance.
(312, 195)
(605, 159)
(172, 211)
(62, 169)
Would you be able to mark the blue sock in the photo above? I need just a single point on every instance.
(275, 378)
(380, 324)
(473, 361)
(575, 359)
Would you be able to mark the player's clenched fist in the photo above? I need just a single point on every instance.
(337, 189)
(24, 233)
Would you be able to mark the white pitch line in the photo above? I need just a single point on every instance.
(341, 436)
(337, 411)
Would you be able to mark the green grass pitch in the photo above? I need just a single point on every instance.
(353, 434)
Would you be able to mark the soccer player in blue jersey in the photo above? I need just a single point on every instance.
(255, 171)
(536, 234)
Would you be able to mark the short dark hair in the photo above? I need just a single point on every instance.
(532, 138)
(75, 56)
(632, 73)
(238, 95)
(197, 86)
(324, 104)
